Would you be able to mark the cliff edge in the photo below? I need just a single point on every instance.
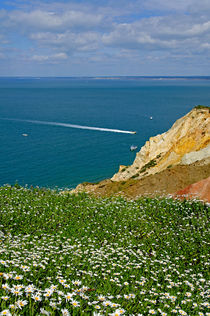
(188, 137)
(166, 164)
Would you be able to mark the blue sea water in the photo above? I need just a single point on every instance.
(56, 156)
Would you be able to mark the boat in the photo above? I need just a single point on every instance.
(25, 135)
(151, 118)
(133, 148)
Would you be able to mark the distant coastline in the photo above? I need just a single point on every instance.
(113, 77)
(152, 78)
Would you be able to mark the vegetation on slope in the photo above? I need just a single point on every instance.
(65, 254)
(200, 107)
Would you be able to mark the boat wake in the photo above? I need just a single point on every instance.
(101, 129)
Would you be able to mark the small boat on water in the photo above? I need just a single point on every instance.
(25, 135)
(133, 148)
(151, 118)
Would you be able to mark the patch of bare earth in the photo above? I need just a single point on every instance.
(199, 190)
(163, 183)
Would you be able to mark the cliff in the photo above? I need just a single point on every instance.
(164, 183)
(166, 164)
(186, 140)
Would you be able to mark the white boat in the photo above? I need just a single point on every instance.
(25, 135)
(151, 118)
(133, 148)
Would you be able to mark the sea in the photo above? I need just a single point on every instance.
(59, 132)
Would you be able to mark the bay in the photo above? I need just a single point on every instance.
(58, 156)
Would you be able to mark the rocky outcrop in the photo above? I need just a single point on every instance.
(199, 190)
(189, 134)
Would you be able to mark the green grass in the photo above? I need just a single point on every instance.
(200, 107)
(106, 256)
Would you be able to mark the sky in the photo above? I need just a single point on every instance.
(104, 38)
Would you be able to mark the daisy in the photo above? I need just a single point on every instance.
(36, 297)
(77, 282)
(132, 295)
(21, 303)
(53, 304)
(101, 298)
(69, 296)
(65, 312)
(97, 307)
(5, 298)
(6, 312)
(188, 294)
(5, 286)
(29, 289)
(75, 304)
(16, 292)
(48, 293)
(62, 281)
(114, 305)
(107, 303)
(18, 277)
(120, 311)
(43, 311)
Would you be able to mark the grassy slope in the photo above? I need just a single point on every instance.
(143, 257)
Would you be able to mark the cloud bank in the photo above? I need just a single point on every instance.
(147, 37)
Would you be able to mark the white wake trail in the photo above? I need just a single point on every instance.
(101, 129)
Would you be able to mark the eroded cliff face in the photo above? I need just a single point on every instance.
(190, 133)
(199, 190)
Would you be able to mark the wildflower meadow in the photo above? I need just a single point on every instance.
(64, 254)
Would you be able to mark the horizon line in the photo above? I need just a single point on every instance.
(112, 76)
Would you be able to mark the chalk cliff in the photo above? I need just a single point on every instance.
(185, 142)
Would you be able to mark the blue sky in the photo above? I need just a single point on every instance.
(104, 38)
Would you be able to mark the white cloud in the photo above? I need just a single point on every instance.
(167, 5)
(53, 21)
(60, 56)
(68, 41)
(174, 32)
(110, 32)
(198, 29)
(206, 45)
(40, 58)
(49, 58)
